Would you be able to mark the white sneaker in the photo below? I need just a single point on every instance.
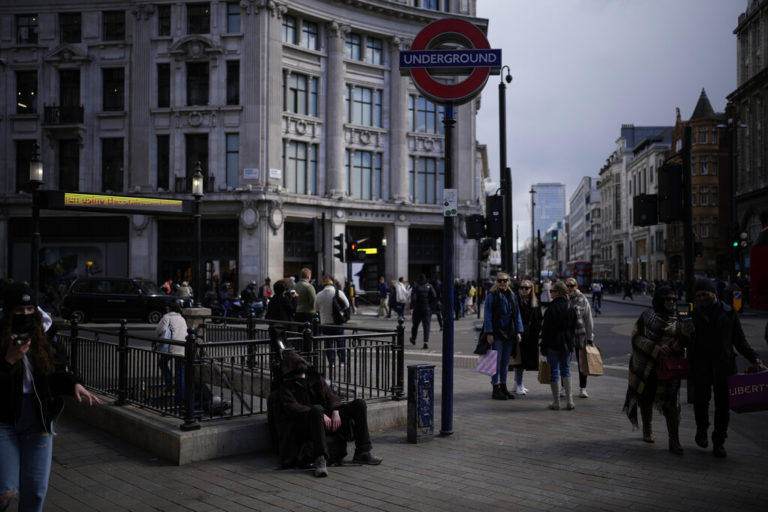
(521, 390)
(562, 391)
(583, 393)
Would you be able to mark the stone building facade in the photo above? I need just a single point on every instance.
(295, 110)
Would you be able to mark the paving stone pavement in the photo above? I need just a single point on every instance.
(502, 455)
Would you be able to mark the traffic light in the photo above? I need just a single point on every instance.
(475, 225)
(486, 245)
(541, 249)
(644, 211)
(352, 253)
(494, 219)
(338, 247)
(670, 197)
(554, 235)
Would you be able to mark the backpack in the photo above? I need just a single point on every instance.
(341, 312)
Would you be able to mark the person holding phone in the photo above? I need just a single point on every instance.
(34, 376)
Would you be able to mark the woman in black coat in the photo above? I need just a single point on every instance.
(557, 343)
(528, 354)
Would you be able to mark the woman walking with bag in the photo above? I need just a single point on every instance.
(557, 343)
(530, 314)
(503, 328)
(584, 328)
(657, 334)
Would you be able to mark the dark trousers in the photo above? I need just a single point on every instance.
(354, 420)
(582, 376)
(333, 346)
(709, 378)
(303, 317)
(421, 317)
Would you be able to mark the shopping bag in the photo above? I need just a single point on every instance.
(671, 368)
(748, 392)
(486, 363)
(591, 361)
(544, 372)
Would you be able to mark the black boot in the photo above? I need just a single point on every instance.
(498, 394)
(506, 391)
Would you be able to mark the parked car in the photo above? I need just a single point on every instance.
(113, 298)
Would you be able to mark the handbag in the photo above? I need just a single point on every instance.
(591, 360)
(487, 363)
(748, 392)
(544, 372)
(671, 368)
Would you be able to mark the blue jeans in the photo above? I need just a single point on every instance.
(504, 349)
(519, 374)
(560, 362)
(333, 346)
(25, 452)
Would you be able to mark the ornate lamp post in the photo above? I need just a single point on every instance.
(197, 191)
(35, 181)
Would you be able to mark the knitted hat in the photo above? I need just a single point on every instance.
(18, 294)
(704, 285)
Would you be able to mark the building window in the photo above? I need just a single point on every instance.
(363, 106)
(197, 83)
(26, 28)
(112, 164)
(714, 135)
(704, 196)
(694, 193)
(430, 4)
(69, 87)
(233, 82)
(113, 94)
(163, 85)
(26, 92)
(163, 162)
(69, 165)
(309, 35)
(714, 196)
(199, 18)
(702, 135)
(232, 164)
(650, 175)
(289, 29)
(70, 27)
(364, 174)
(704, 228)
(163, 20)
(300, 164)
(113, 25)
(617, 205)
(427, 179)
(374, 50)
(233, 18)
(24, 151)
(713, 168)
(424, 116)
(196, 151)
(353, 46)
(301, 95)
(704, 166)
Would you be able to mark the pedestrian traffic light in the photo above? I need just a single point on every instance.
(670, 197)
(338, 247)
(485, 248)
(494, 216)
(644, 210)
(542, 250)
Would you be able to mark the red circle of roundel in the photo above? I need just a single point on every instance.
(451, 92)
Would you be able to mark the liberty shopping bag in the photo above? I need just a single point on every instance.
(544, 372)
(590, 360)
(748, 392)
(487, 363)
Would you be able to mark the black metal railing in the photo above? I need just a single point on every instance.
(55, 115)
(230, 377)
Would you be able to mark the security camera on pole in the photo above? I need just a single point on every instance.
(449, 47)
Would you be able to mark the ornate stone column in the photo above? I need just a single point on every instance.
(398, 143)
(140, 81)
(335, 116)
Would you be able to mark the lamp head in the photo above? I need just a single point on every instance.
(197, 181)
(36, 168)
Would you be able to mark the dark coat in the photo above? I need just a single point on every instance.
(718, 332)
(531, 317)
(48, 389)
(422, 296)
(558, 327)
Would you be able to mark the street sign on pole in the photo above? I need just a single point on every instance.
(449, 46)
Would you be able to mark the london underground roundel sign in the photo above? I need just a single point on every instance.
(476, 59)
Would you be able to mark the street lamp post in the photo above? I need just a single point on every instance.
(197, 191)
(35, 181)
(533, 240)
(505, 174)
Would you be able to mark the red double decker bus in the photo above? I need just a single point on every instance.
(758, 272)
(582, 272)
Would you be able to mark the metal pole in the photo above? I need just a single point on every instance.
(688, 235)
(35, 260)
(506, 176)
(446, 427)
(200, 284)
(533, 250)
(734, 223)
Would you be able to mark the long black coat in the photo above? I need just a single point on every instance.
(559, 326)
(718, 332)
(531, 317)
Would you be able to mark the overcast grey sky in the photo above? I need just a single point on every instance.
(582, 68)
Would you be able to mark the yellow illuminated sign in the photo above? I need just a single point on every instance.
(369, 250)
(58, 200)
(102, 201)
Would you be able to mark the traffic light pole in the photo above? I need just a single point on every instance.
(688, 235)
(446, 425)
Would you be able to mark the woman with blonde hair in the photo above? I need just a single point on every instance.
(503, 328)
(557, 343)
(530, 314)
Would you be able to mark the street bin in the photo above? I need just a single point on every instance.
(421, 402)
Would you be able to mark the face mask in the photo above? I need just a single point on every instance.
(22, 324)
